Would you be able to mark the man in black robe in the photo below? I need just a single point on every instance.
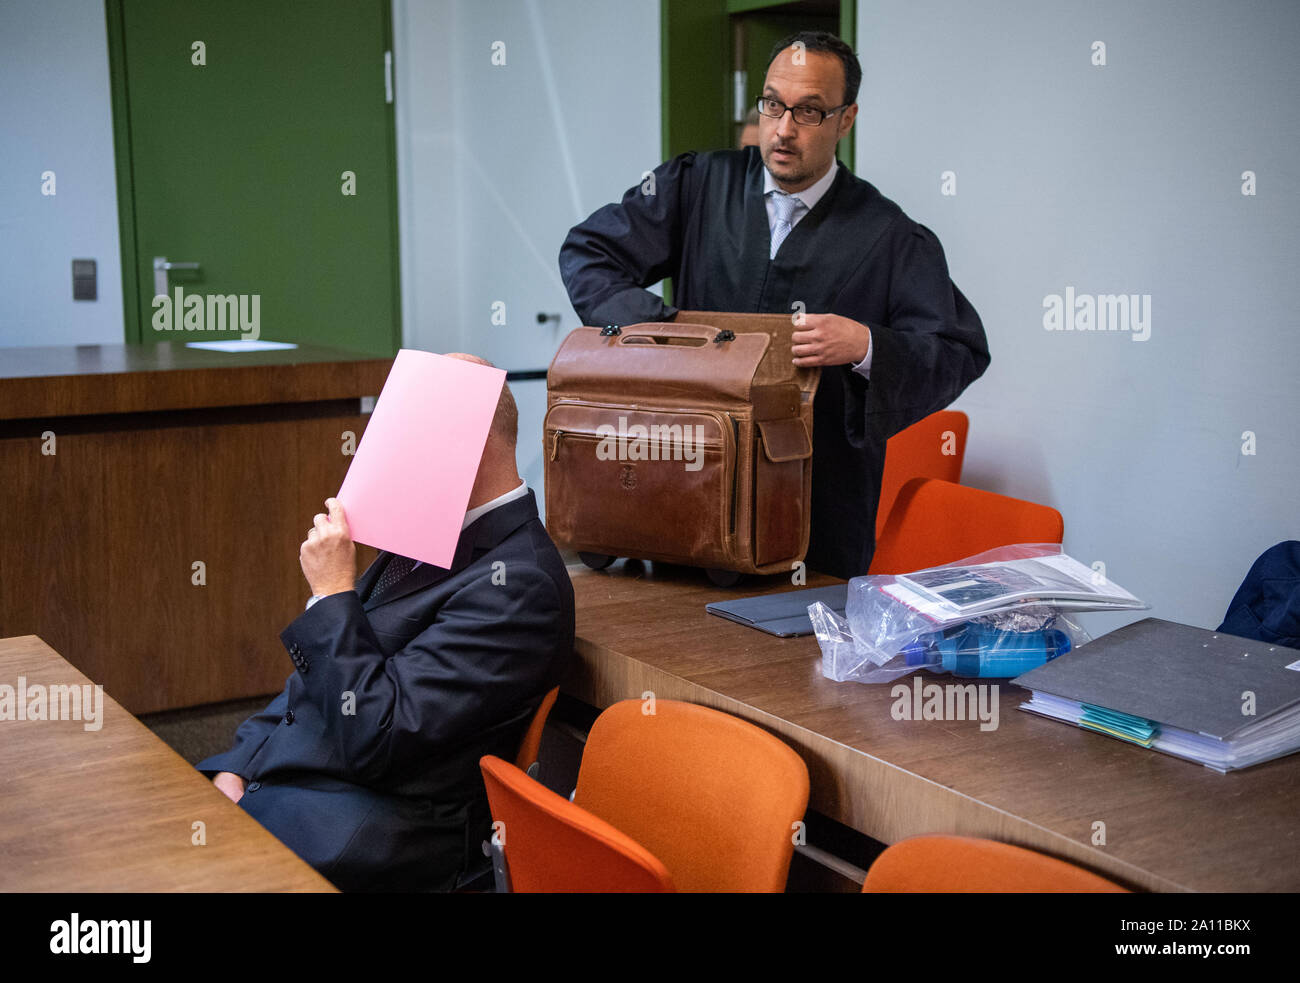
(783, 228)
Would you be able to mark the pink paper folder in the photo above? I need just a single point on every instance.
(409, 483)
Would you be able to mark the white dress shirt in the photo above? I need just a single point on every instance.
(481, 510)
(808, 198)
(475, 513)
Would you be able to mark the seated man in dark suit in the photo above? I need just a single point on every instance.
(366, 765)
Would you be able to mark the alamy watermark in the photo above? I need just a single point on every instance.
(1100, 312)
(55, 702)
(208, 312)
(953, 701)
(657, 442)
(106, 936)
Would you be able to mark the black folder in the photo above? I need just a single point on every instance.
(784, 615)
(1225, 701)
(1174, 674)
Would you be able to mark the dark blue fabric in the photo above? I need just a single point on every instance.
(1267, 604)
(366, 765)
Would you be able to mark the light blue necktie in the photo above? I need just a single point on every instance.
(786, 208)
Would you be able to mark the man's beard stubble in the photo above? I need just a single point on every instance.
(796, 170)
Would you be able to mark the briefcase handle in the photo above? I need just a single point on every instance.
(663, 333)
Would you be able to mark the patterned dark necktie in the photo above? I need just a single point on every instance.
(398, 567)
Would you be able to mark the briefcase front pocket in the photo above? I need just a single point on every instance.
(648, 482)
(782, 454)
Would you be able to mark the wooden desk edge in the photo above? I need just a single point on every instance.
(188, 388)
(299, 877)
(850, 801)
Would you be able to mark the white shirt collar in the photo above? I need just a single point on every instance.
(481, 510)
(809, 195)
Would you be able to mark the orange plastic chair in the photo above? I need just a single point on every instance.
(552, 845)
(712, 796)
(919, 452)
(935, 522)
(526, 759)
(965, 865)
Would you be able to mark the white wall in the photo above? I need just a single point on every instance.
(56, 115)
(497, 161)
(1122, 178)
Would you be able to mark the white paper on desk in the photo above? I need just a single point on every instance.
(239, 345)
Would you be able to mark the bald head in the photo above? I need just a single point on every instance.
(505, 422)
(498, 471)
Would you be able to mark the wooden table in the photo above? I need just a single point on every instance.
(114, 809)
(1169, 824)
(155, 499)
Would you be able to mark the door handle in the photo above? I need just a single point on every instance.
(160, 267)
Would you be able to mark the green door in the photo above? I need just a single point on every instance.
(714, 55)
(255, 140)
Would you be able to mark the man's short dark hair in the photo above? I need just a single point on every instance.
(825, 41)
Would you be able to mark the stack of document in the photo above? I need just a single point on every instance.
(1057, 581)
(1224, 701)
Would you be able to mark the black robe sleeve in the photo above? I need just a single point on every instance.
(931, 347)
(608, 260)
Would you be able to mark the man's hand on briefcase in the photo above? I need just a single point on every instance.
(328, 556)
(829, 339)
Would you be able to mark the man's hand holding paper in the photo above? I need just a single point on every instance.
(328, 556)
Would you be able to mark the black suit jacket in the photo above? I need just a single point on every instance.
(367, 764)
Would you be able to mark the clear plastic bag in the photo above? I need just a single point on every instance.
(975, 649)
(881, 638)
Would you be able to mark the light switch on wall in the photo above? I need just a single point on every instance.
(83, 280)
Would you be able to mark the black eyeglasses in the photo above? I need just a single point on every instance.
(803, 115)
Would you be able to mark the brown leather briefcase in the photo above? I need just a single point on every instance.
(687, 441)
